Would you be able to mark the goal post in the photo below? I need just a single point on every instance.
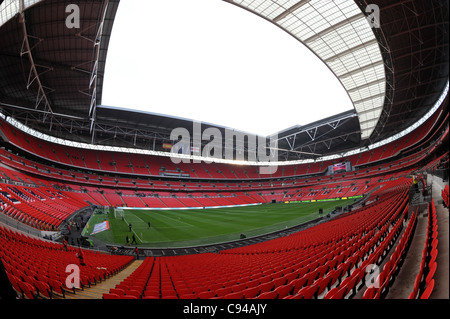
(119, 213)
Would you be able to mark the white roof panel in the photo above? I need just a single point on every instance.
(339, 34)
(9, 8)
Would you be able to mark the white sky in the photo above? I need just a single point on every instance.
(213, 62)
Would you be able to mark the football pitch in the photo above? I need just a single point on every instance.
(194, 227)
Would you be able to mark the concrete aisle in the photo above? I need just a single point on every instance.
(404, 281)
(441, 288)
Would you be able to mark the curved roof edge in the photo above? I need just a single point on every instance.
(342, 36)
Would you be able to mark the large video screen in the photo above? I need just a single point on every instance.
(339, 168)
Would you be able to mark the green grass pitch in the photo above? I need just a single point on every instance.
(192, 227)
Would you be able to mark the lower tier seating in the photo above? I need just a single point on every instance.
(40, 269)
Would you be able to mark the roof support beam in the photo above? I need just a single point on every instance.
(335, 27)
(366, 85)
(369, 98)
(351, 50)
(33, 76)
(295, 7)
(359, 70)
(94, 69)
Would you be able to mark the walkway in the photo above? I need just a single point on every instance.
(441, 288)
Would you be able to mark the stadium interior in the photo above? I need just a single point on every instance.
(63, 155)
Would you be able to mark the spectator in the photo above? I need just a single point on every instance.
(80, 256)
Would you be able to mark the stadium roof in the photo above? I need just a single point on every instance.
(49, 67)
(52, 75)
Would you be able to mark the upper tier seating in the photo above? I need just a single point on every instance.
(147, 165)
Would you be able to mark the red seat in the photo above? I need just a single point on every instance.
(168, 294)
(237, 288)
(151, 293)
(370, 293)
(133, 293)
(56, 286)
(268, 286)
(427, 292)
(28, 290)
(279, 281)
(433, 254)
(265, 279)
(332, 277)
(312, 276)
(43, 289)
(352, 285)
(323, 284)
(14, 282)
(339, 293)
(299, 284)
(302, 271)
(29, 279)
(224, 291)
(252, 284)
(206, 294)
(268, 295)
(283, 291)
(117, 291)
(430, 274)
(234, 295)
(251, 292)
(42, 278)
(307, 292)
(331, 293)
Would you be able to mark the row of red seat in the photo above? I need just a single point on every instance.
(38, 268)
(424, 283)
(415, 139)
(341, 183)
